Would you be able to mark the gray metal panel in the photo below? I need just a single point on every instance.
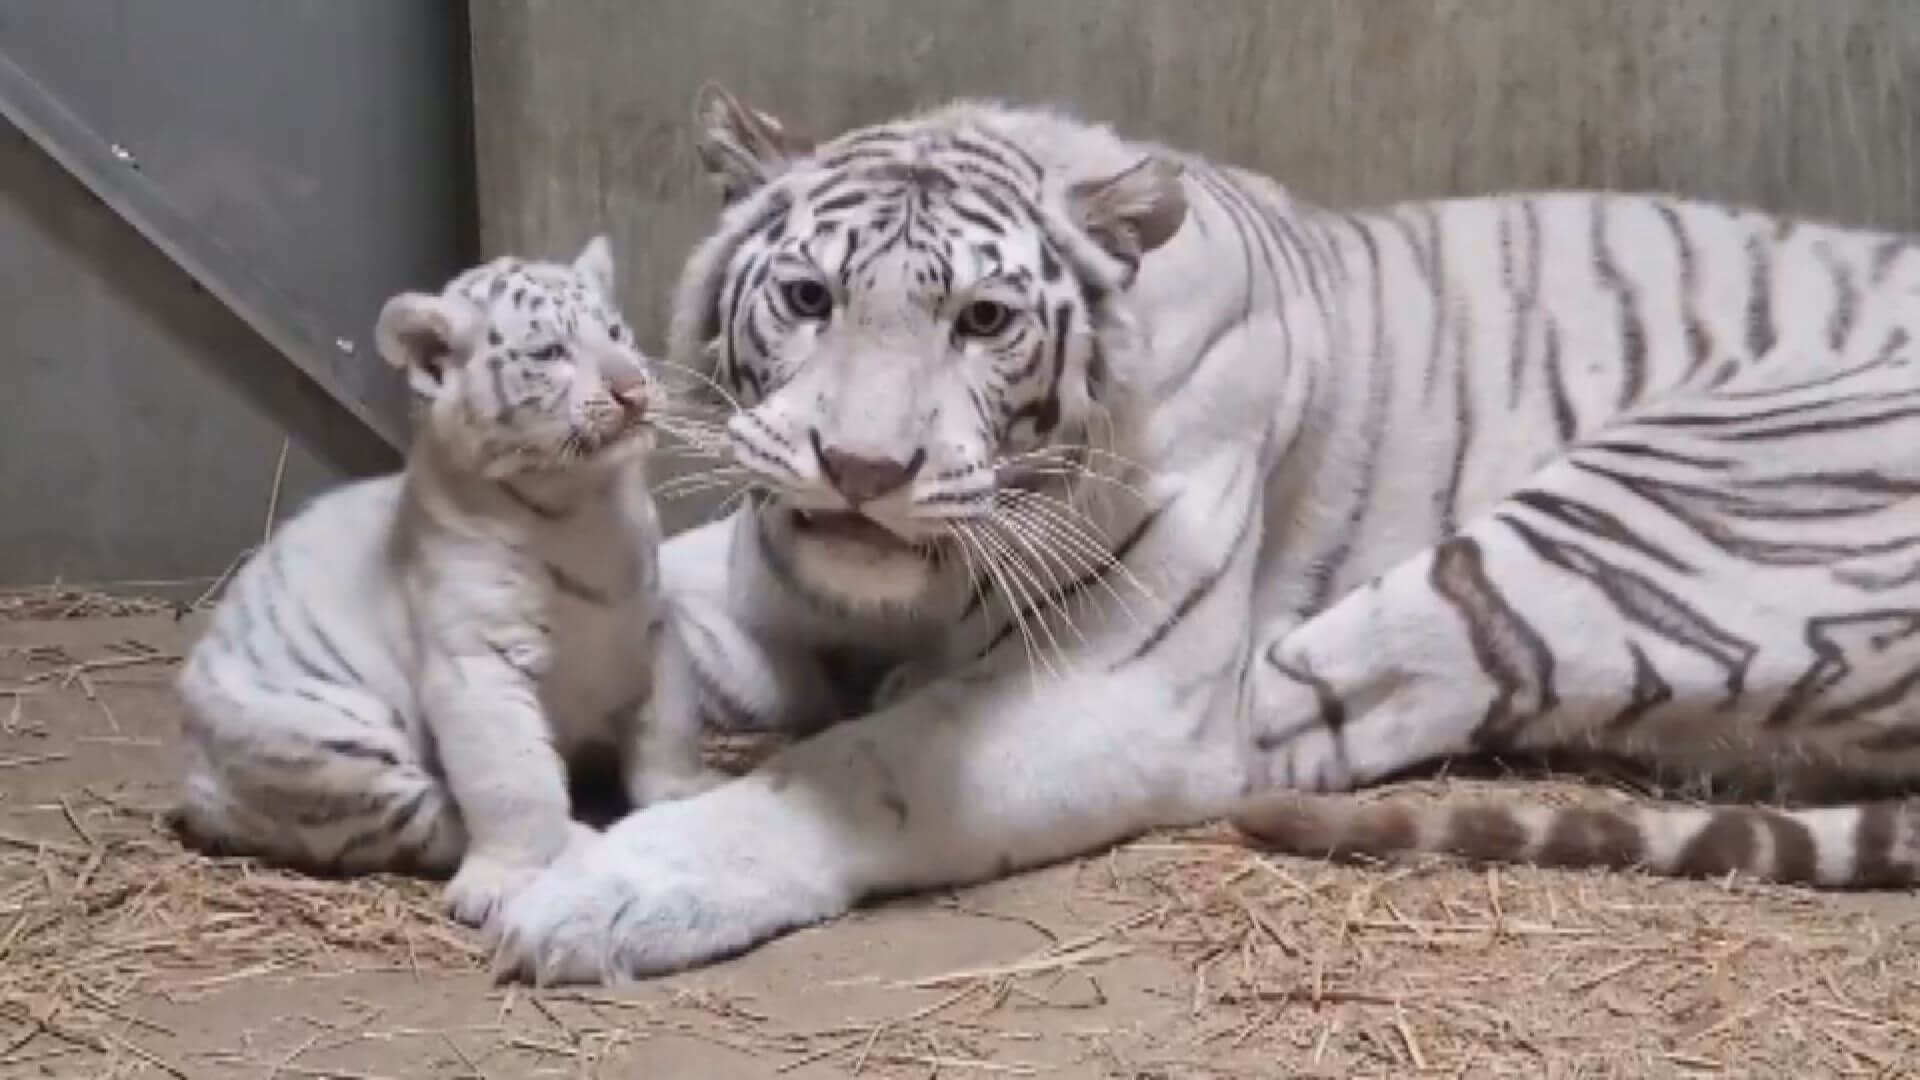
(326, 145)
(112, 175)
(323, 143)
(140, 423)
(1802, 105)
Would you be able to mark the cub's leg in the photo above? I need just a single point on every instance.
(1729, 594)
(506, 775)
(711, 673)
(662, 759)
(313, 775)
(746, 681)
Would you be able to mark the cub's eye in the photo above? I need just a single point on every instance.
(549, 352)
(616, 333)
(807, 298)
(983, 318)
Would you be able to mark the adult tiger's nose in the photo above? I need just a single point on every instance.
(861, 478)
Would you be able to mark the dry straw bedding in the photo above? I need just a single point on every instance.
(1264, 966)
(1341, 971)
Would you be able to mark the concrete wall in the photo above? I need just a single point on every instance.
(1804, 105)
(323, 143)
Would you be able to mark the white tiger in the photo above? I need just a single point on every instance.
(394, 681)
(1177, 494)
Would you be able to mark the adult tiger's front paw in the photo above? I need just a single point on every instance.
(673, 886)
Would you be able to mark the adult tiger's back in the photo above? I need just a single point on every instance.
(1671, 454)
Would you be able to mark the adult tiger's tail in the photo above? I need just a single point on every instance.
(1862, 846)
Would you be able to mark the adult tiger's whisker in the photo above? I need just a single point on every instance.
(1090, 560)
(701, 443)
(727, 505)
(1016, 607)
(1069, 519)
(1078, 472)
(702, 478)
(1029, 595)
(732, 402)
(1063, 454)
(1052, 589)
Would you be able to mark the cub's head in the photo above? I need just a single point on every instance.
(918, 321)
(523, 366)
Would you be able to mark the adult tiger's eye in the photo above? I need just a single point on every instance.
(983, 318)
(807, 298)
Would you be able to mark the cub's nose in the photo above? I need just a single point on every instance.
(631, 398)
(861, 478)
(631, 393)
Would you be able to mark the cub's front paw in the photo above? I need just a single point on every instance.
(484, 884)
(487, 880)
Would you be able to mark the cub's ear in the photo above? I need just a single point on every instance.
(740, 146)
(1132, 212)
(595, 263)
(426, 336)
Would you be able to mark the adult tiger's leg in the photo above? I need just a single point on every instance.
(977, 774)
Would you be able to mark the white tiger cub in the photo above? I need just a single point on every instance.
(1177, 495)
(396, 680)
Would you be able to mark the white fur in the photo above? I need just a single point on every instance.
(396, 679)
(1290, 389)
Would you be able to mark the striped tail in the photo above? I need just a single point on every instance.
(1864, 846)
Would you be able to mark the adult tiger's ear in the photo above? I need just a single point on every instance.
(426, 336)
(740, 146)
(1132, 212)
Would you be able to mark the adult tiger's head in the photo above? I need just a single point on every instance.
(914, 319)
